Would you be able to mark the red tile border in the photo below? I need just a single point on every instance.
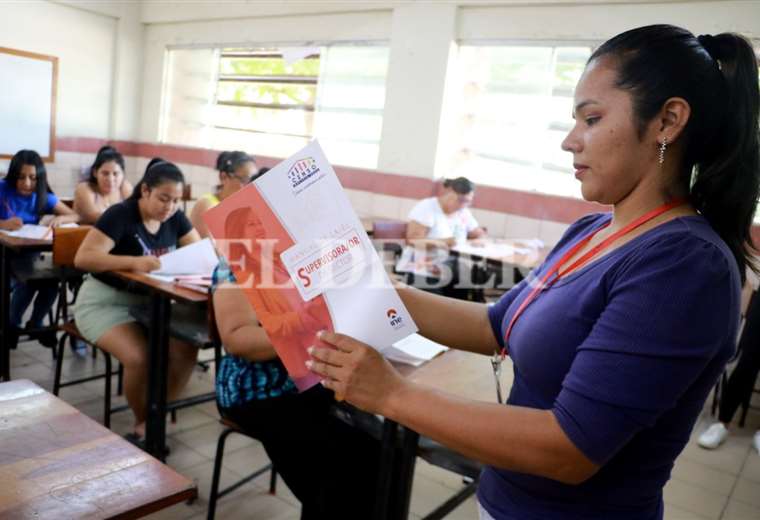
(502, 200)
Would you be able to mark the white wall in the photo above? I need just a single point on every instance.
(422, 37)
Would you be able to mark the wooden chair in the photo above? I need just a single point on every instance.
(230, 428)
(187, 195)
(66, 242)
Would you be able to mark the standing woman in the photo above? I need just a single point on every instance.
(25, 198)
(236, 169)
(105, 187)
(131, 235)
(620, 335)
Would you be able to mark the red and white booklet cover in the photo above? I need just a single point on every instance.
(305, 263)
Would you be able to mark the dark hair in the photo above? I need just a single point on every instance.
(229, 162)
(106, 154)
(461, 185)
(32, 158)
(259, 173)
(717, 76)
(158, 172)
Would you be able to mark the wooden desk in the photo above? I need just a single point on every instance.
(58, 463)
(10, 246)
(162, 294)
(461, 373)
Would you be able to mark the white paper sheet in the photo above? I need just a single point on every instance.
(414, 350)
(31, 231)
(196, 258)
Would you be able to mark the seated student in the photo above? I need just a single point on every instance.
(26, 198)
(131, 235)
(105, 186)
(236, 169)
(329, 466)
(741, 382)
(435, 224)
(446, 218)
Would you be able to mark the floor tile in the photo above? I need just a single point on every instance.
(699, 501)
(703, 476)
(736, 510)
(747, 491)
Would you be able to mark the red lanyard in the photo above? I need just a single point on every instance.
(545, 283)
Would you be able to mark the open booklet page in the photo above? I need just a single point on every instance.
(305, 263)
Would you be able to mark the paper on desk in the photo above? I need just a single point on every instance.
(32, 231)
(414, 350)
(196, 258)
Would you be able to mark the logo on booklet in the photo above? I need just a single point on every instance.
(394, 319)
(302, 170)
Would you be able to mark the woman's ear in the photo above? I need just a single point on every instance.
(673, 119)
(144, 190)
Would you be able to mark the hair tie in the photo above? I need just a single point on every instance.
(710, 44)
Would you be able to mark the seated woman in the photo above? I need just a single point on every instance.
(130, 236)
(436, 224)
(105, 187)
(236, 169)
(25, 198)
(254, 390)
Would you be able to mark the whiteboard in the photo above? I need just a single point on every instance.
(27, 102)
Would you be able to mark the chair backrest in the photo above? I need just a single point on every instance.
(66, 242)
(187, 191)
(385, 229)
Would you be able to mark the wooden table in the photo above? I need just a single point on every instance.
(162, 294)
(56, 462)
(461, 373)
(10, 246)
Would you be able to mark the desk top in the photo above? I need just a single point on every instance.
(27, 244)
(172, 290)
(58, 463)
(504, 251)
(456, 372)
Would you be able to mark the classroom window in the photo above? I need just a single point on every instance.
(273, 101)
(510, 111)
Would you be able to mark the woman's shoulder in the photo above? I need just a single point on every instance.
(84, 188)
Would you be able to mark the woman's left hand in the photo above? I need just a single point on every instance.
(355, 372)
(53, 220)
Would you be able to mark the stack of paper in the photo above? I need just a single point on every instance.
(198, 258)
(414, 350)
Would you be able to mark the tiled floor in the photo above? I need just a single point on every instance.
(720, 484)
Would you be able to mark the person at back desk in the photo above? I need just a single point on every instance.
(131, 236)
(236, 169)
(26, 198)
(105, 187)
(435, 225)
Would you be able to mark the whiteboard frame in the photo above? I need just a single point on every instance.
(53, 94)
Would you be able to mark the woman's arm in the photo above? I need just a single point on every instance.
(199, 209)
(62, 215)
(94, 256)
(84, 204)
(455, 323)
(11, 224)
(238, 326)
(188, 238)
(416, 234)
(510, 437)
(478, 232)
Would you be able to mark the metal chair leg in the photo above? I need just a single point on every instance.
(213, 494)
(59, 364)
(107, 400)
(273, 480)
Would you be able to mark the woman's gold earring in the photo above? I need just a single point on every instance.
(663, 145)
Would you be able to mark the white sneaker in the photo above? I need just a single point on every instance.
(756, 441)
(713, 436)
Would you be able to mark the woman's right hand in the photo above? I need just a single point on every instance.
(12, 224)
(146, 264)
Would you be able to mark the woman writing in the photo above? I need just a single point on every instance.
(105, 187)
(25, 198)
(620, 335)
(131, 235)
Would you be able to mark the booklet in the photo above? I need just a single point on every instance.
(414, 350)
(35, 231)
(305, 263)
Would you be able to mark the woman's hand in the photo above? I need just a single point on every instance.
(355, 372)
(54, 220)
(145, 264)
(12, 224)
